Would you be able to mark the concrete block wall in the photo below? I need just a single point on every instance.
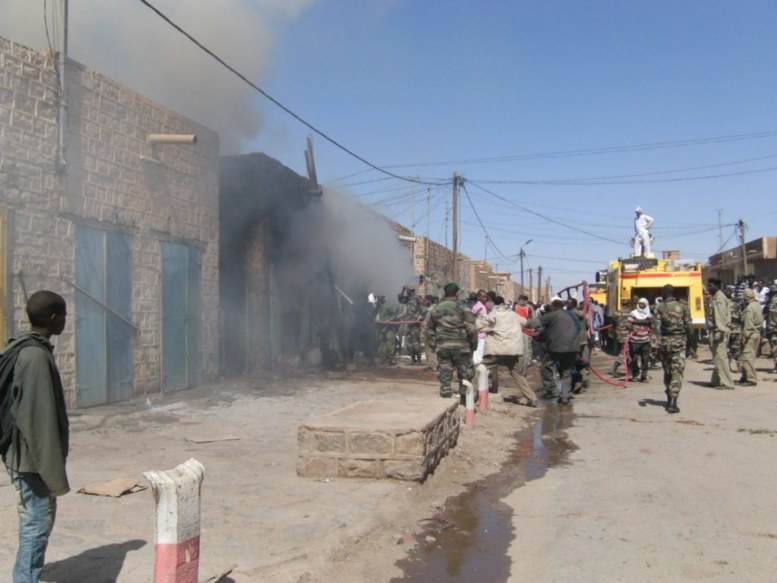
(105, 183)
(332, 447)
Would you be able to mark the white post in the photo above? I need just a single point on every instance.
(177, 497)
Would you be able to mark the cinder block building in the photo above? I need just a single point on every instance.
(126, 228)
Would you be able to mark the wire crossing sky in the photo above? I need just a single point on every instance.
(561, 117)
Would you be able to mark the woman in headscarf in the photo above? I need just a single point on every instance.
(640, 324)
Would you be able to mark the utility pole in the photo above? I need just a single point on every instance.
(522, 254)
(62, 97)
(531, 284)
(455, 226)
(720, 229)
(742, 231)
(539, 283)
(547, 288)
(428, 230)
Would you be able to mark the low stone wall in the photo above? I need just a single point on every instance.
(401, 440)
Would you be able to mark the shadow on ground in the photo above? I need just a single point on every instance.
(99, 565)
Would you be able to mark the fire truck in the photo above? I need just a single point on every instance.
(643, 277)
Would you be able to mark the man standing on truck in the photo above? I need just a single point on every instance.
(642, 224)
(719, 325)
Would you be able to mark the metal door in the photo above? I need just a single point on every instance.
(103, 329)
(181, 306)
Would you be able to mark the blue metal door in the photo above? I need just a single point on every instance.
(181, 305)
(103, 329)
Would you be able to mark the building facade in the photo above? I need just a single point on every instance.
(124, 227)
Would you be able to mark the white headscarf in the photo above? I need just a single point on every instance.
(642, 313)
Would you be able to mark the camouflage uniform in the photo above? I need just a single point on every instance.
(752, 323)
(771, 324)
(387, 335)
(735, 336)
(719, 322)
(622, 330)
(413, 310)
(672, 323)
(451, 331)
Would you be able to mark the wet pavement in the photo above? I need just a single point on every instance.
(469, 538)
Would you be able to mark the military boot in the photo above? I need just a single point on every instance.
(671, 406)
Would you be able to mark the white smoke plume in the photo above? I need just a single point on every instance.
(128, 42)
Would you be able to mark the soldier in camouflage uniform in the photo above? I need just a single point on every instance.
(451, 331)
(413, 310)
(387, 334)
(719, 326)
(672, 324)
(771, 323)
(622, 329)
(735, 335)
(752, 323)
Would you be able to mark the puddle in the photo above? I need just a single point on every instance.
(478, 525)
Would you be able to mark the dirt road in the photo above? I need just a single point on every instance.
(609, 489)
(648, 496)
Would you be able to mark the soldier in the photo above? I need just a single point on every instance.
(431, 357)
(387, 336)
(771, 323)
(672, 324)
(413, 311)
(752, 322)
(451, 331)
(719, 325)
(622, 329)
(735, 299)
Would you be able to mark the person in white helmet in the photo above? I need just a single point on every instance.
(642, 224)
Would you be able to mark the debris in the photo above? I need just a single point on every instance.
(114, 488)
(199, 440)
(399, 539)
(220, 576)
(434, 524)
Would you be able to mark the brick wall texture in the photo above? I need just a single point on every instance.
(104, 184)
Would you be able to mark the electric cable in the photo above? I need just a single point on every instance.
(276, 102)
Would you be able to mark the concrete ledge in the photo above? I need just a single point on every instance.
(403, 439)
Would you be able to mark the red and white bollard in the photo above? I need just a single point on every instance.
(482, 372)
(177, 498)
(469, 401)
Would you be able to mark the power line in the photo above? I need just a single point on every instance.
(596, 151)
(278, 103)
(545, 217)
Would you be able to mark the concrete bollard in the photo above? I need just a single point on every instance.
(469, 400)
(177, 498)
(482, 372)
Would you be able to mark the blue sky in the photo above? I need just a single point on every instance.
(670, 105)
(409, 83)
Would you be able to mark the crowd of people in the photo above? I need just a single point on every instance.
(470, 337)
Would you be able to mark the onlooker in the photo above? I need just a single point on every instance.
(505, 345)
(38, 450)
(561, 329)
(640, 322)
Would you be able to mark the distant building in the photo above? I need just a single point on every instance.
(761, 255)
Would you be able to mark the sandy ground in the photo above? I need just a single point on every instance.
(639, 496)
(648, 496)
(257, 514)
